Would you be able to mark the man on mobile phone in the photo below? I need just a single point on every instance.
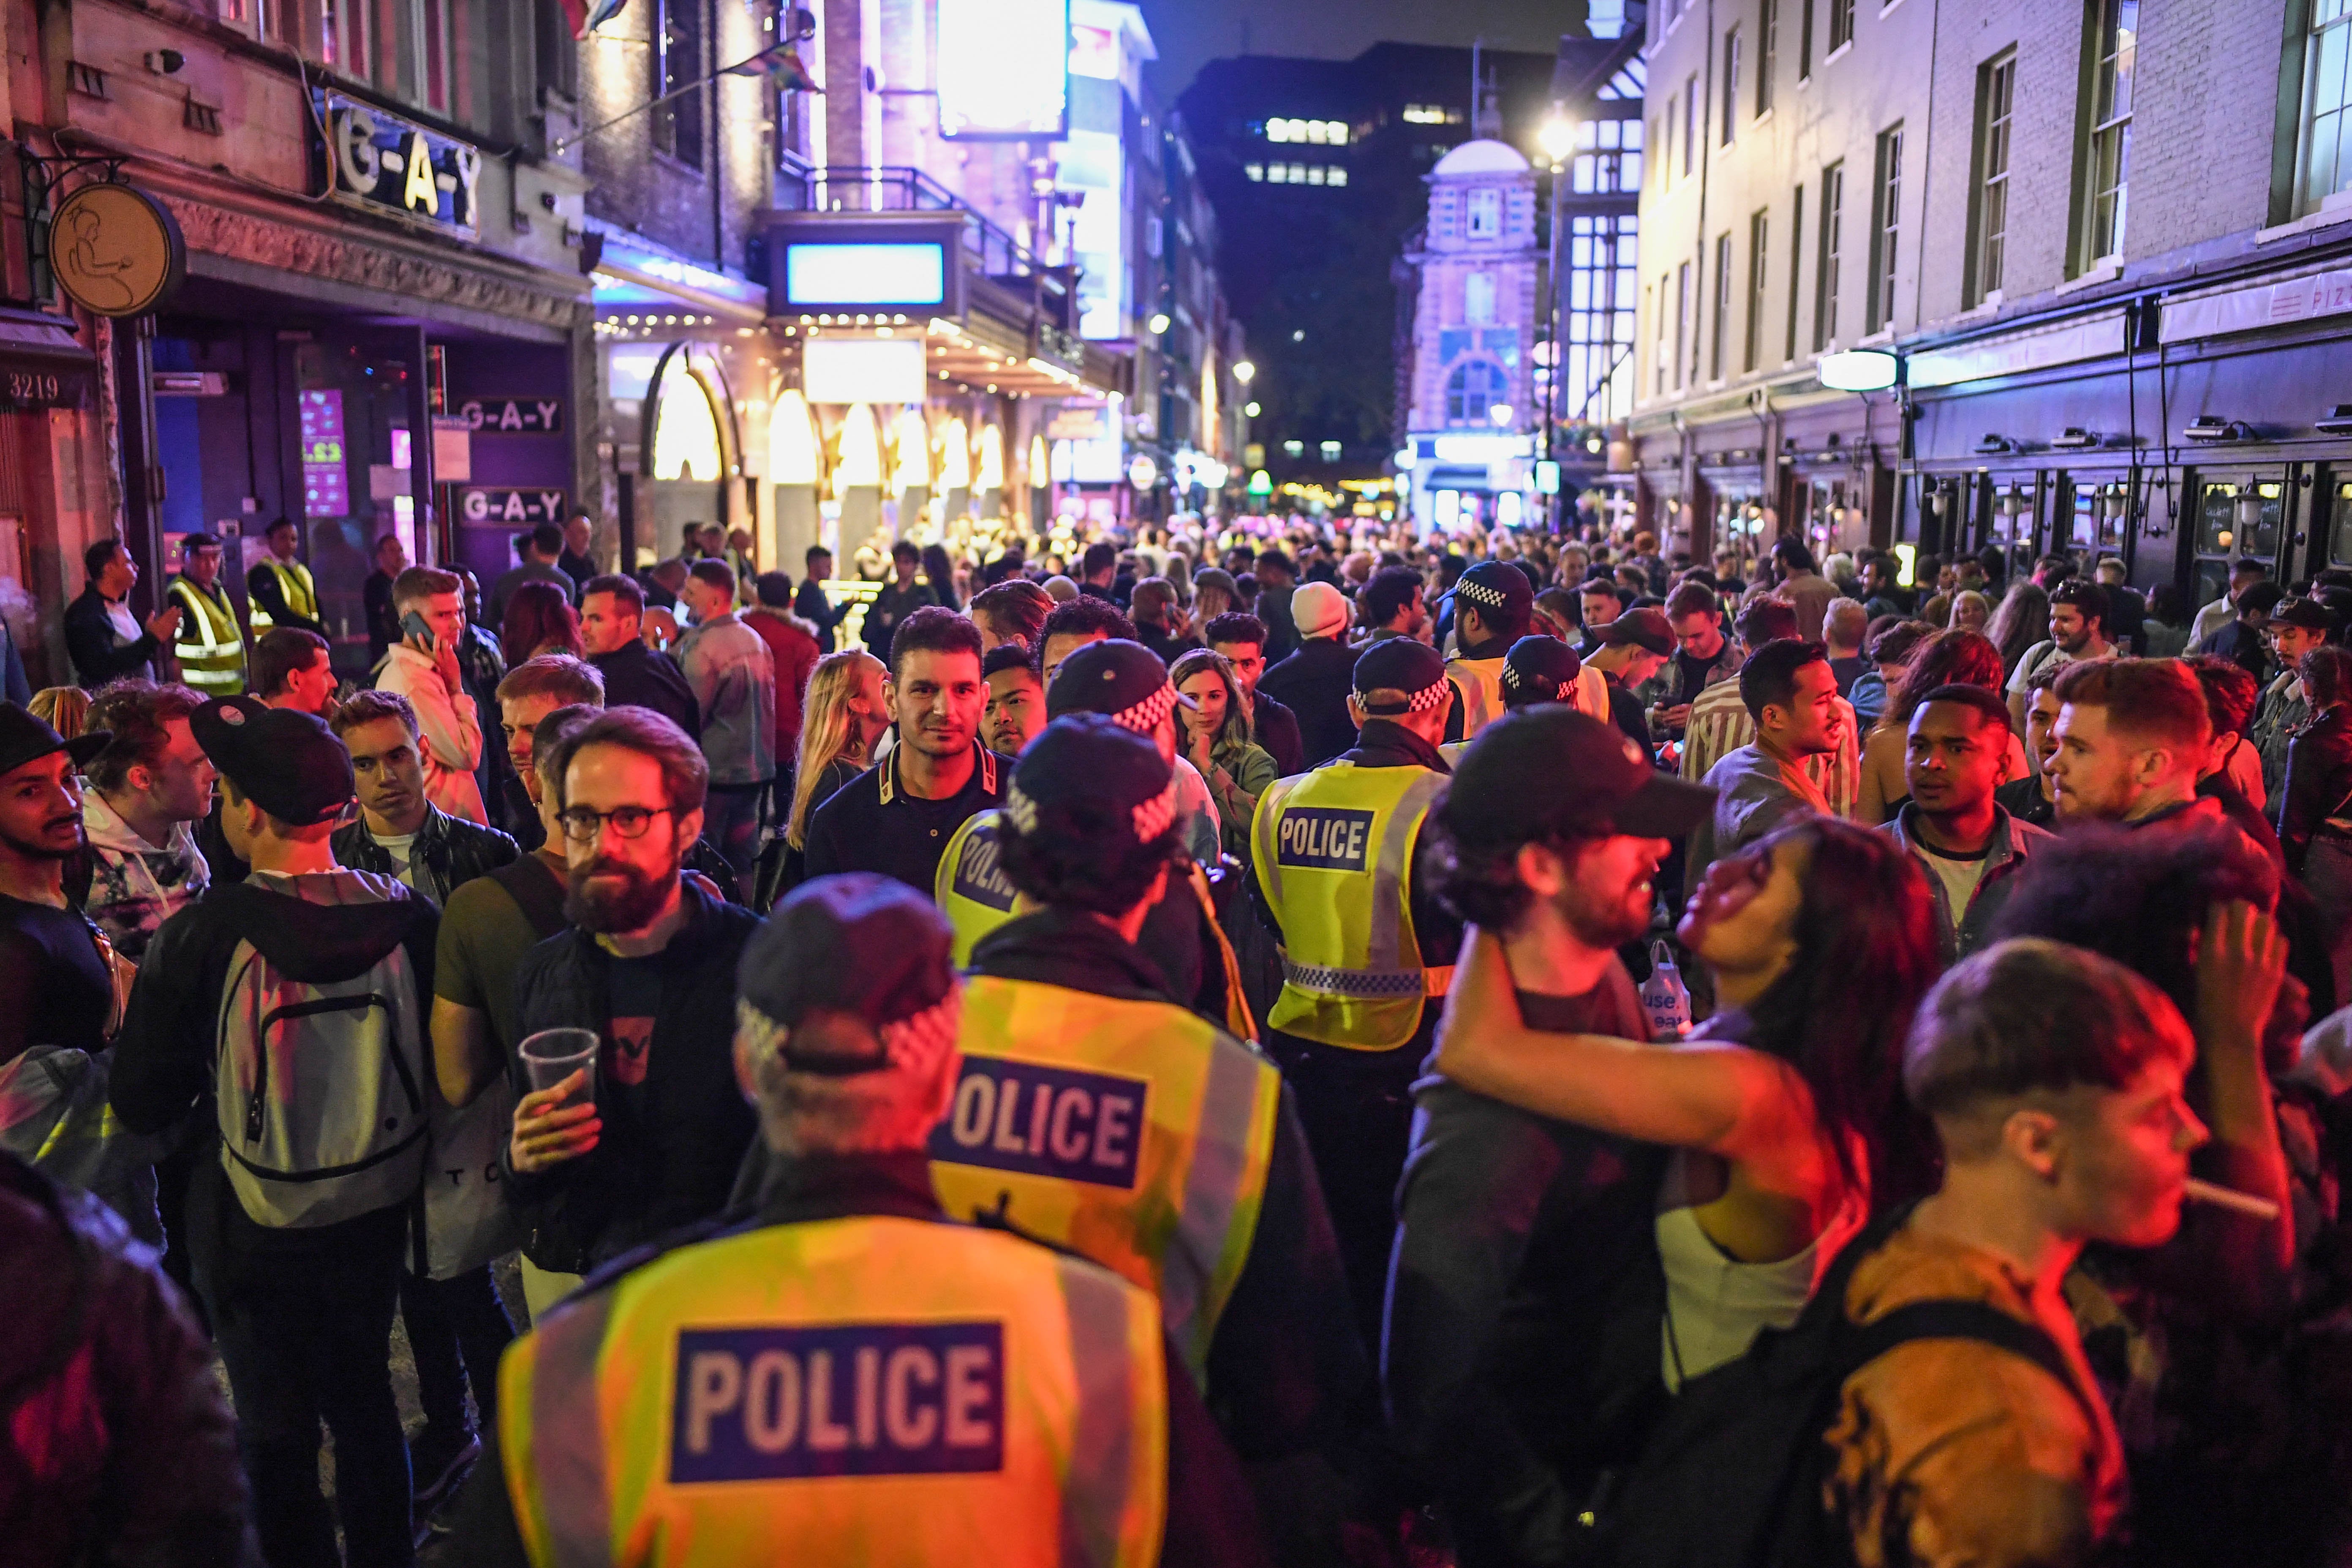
(423, 668)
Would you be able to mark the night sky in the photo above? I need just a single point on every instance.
(1191, 33)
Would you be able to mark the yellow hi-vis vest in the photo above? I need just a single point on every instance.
(1480, 681)
(873, 1390)
(1132, 1132)
(1333, 852)
(970, 886)
(294, 582)
(210, 648)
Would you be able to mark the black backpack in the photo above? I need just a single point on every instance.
(1733, 1474)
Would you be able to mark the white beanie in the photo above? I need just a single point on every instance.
(1319, 610)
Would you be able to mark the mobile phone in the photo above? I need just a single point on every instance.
(412, 624)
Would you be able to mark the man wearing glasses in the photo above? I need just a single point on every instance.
(648, 963)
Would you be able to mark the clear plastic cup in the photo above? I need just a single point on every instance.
(553, 1055)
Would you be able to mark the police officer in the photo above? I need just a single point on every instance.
(1494, 605)
(1366, 955)
(850, 1376)
(280, 590)
(1098, 1113)
(210, 646)
(1129, 684)
(1539, 669)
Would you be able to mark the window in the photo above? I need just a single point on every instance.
(1885, 226)
(1478, 299)
(1655, 301)
(1805, 43)
(2111, 46)
(1690, 122)
(1294, 448)
(1841, 24)
(1722, 306)
(1597, 373)
(1759, 237)
(1330, 450)
(1989, 213)
(1730, 86)
(1472, 392)
(678, 65)
(1337, 176)
(1610, 157)
(1668, 165)
(1682, 319)
(1768, 60)
(1825, 276)
(2324, 155)
(1485, 214)
(1796, 264)
(1257, 172)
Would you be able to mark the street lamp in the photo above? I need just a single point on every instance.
(1500, 414)
(1159, 322)
(1558, 139)
(1244, 371)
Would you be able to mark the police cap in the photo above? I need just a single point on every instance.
(1497, 589)
(1401, 664)
(1093, 761)
(1122, 679)
(859, 944)
(1540, 668)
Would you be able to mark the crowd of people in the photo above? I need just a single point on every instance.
(1177, 1045)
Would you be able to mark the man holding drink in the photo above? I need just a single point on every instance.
(619, 1143)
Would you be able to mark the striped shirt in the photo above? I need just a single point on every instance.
(1720, 725)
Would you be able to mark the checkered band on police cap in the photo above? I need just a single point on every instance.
(1479, 592)
(1518, 679)
(1143, 718)
(1435, 695)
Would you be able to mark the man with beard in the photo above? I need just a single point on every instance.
(652, 1143)
(1792, 696)
(2078, 631)
(57, 982)
(2132, 736)
(897, 818)
(1017, 699)
(1525, 1294)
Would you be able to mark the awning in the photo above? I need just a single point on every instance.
(42, 363)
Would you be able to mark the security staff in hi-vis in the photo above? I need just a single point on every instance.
(850, 1376)
(1096, 1112)
(1494, 606)
(280, 591)
(210, 646)
(1366, 956)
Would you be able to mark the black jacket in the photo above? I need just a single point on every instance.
(89, 639)
(1314, 683)
(676, 1165)
(1276, 728)
(1211, 1519)
(2319, 781)
(448, 854)
(1286, 1370)
(638, 676)
(1522, 1348)
(809, 604)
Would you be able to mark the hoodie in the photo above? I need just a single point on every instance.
(135, 887)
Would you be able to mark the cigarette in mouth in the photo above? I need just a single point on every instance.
(2229, 1198)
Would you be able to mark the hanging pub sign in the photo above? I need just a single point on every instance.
(115, 251)
(486, 505)
(378, 161)
(513, 416)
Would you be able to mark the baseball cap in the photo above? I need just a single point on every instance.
(25, 737)
(287, 764)
(859, 944)
(1539, 669)
(2307, 613)
(1318, 610)
(1550, 770)
(1401, 664)
(1645, 628)
(1121, 679)
(1493, 585)
(1093, 761)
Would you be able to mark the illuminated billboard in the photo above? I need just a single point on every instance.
(1005, 69)
(834, 273)
(862, 370)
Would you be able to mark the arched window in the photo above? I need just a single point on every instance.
(1472, 392)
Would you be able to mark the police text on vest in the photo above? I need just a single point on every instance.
(1044, 1121)
(866, 1399)
(1324, 838)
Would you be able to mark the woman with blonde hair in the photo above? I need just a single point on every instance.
(842, 717)
(64, 708)
(1971, 612)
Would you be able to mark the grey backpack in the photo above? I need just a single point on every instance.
(321, 1090)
